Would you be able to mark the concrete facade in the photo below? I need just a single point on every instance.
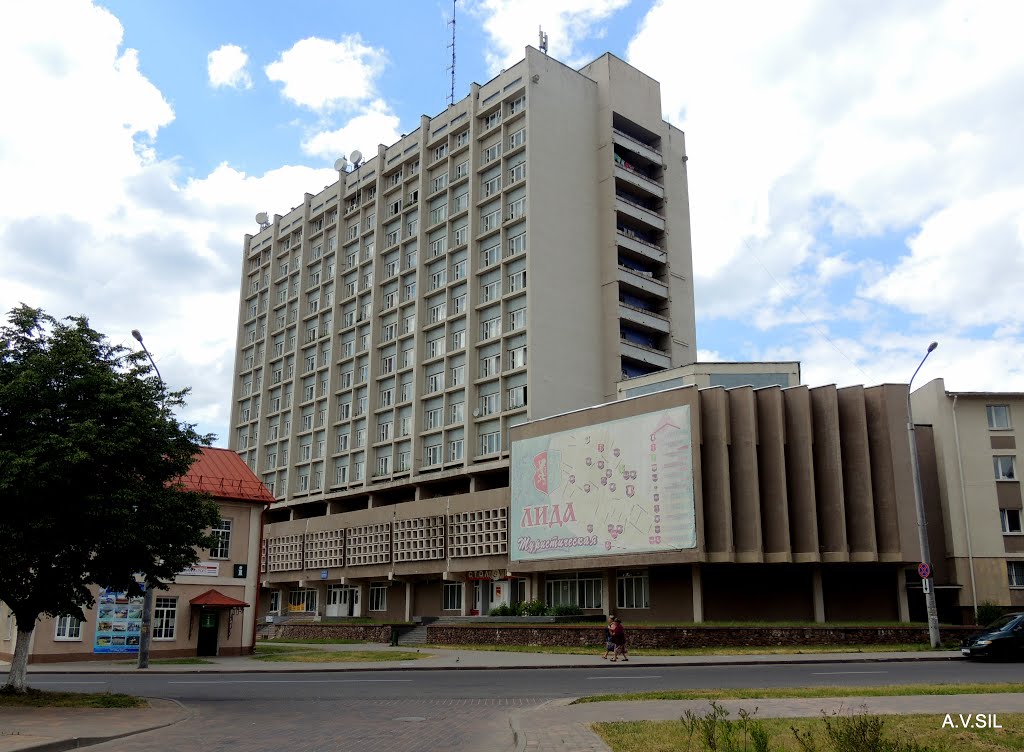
(803, 511)
(511, 258)
(978, 525)
(707, 374)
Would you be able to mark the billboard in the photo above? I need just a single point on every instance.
(118, 623)
(620, 487)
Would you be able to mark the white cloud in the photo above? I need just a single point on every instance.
(879, 120)
(323, 75)
(99, 226)
(512, 25)
(225, 66)
(375, 124)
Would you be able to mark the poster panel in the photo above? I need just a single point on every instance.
(619, 487)
(118, 622)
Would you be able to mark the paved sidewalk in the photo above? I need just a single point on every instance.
(553, 726)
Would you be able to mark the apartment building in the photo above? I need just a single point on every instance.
(977, 539)
(512, 258)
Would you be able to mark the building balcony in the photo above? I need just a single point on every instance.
(642, 214)
(628, 240)
(641, 283)
(643, 319)
(639, 181)
(648, 355)
(636, 146)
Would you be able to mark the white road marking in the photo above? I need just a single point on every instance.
(290, 681)
(67, 682)
(622, 676)
(835, 673)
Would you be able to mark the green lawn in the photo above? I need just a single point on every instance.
(312, 641)
(597, 649)
(35, 698)
(926, 730)
(895, 690)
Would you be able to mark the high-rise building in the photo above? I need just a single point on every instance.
(512, 258)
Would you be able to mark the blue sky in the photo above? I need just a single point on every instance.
(856, 175)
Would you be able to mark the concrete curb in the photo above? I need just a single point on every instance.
(320, 668)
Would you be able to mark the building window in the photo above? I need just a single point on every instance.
(432, 455)
(490, 443)
(67, 628)
(634, 591)
(302, 600)
(516, 397)
(222, 536)
(433, 418)
(1010, 520)
(165, 614)
(378, 596)
(1004, 468)
(452, 599)
(998, 417)
(275, 601)
(455, 450)
(573, 590)
(1015, 571)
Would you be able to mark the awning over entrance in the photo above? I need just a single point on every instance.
(216, 599)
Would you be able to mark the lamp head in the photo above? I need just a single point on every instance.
(932, 346)
(137, 334)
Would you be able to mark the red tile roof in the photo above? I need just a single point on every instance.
(217, 599)
(223, 474)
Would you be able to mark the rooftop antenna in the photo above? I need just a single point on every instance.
(341, 164)
(543, 40)
(263, 220)
(451, 94)
(356, 157)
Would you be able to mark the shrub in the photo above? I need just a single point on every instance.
(856, 733)
(502, 610)
(988, 612)
(532, 608)
(716, 733)
(566, 610)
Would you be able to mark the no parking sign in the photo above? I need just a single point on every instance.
(924, 570)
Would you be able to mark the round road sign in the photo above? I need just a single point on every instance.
(924, 570)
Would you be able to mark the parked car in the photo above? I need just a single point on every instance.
(1003, 638)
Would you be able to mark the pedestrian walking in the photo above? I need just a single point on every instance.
(609, 646)
(619, 639)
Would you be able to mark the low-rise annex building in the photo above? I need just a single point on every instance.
(685, 504)
(208, 610)
(978, 541)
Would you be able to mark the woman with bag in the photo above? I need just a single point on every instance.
(619, 639)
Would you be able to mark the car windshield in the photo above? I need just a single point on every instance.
(1001, 623)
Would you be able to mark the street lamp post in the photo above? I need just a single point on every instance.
(145, 632)
(922, 522)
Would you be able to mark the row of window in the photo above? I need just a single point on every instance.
(165, 617)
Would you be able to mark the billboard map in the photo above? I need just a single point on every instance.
(620, 487)
(118, 623)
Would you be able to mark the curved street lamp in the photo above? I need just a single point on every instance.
(922, 522)
(145, 632)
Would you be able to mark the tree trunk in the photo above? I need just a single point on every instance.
(19, 663)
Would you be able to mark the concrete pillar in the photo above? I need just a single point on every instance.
(467, 596)
(608, 591)
(371, 502)
(698, 593)
(901, 594)
(819, 596)
(408, 601)
(472, 484)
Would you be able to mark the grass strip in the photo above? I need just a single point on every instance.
(344, 656)
(739, 650)
(312, 641)
(36, 698)
(770, 693)
(926, 730)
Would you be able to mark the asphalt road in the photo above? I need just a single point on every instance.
(529, 686)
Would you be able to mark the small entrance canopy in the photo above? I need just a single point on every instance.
(216, 600)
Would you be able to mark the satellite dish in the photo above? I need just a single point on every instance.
(356, 157)
(262, 218)
(340, 164)
(476, 412)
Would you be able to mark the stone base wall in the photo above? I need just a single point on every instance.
(685, 637)
(326, 631)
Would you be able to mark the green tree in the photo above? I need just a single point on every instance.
(90, 454)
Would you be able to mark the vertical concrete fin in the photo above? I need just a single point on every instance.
(714, 419)
(771, 462)
(856, 454)
(803, 514)
(828, 475)
(743, 473)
